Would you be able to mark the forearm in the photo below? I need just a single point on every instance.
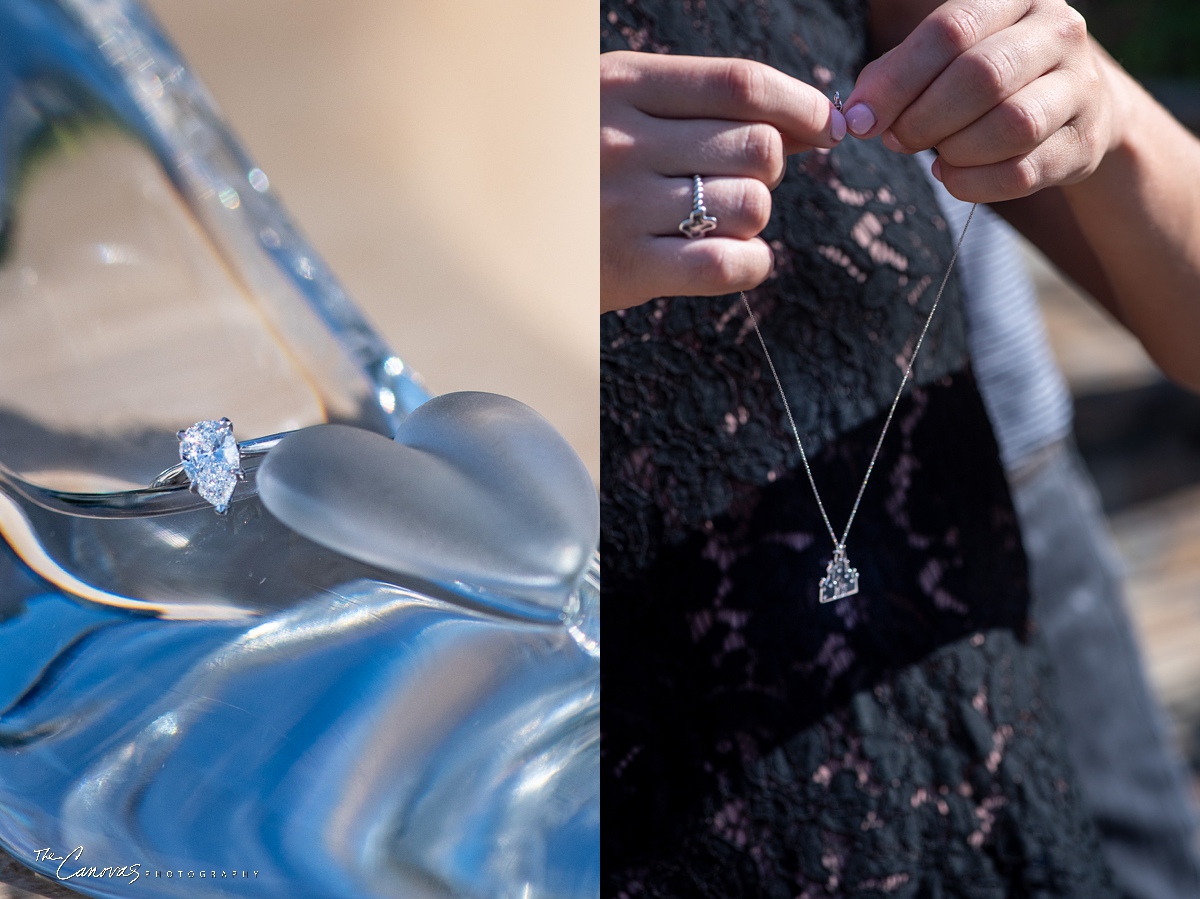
(1130, 232)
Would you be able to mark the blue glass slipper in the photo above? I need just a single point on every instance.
(377, 674)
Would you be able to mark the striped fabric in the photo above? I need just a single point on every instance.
(1025, 393)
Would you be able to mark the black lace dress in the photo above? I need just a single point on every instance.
(756, 743)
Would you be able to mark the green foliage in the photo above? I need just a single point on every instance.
(64, 132)
(1151, 38)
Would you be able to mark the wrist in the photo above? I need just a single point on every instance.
(1126, 102)
(1124, 128)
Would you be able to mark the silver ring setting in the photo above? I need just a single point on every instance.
(211, 463)
(699, 222)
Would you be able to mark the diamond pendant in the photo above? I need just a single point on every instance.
(840, 579)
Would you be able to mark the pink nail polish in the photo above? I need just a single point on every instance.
(936, 169)
(860, 119)
(837, 125)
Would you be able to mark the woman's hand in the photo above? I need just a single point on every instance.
(1010, 92)
(666, 118)
(1025, 109)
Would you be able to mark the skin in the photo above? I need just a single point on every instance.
(663, 118)
(1026, 112)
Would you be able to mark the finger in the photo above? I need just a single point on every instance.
(1060, 160)
(975, 82)
(708, 267)
(684, 147)
(741, 206)
(686, 87)
(887, 86)
(1015, 127)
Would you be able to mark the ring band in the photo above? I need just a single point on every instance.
(211, 461)
(699, 222)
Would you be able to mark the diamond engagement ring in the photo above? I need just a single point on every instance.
(212, 461)
(699, 222)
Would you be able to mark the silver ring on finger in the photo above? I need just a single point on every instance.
(699, 222)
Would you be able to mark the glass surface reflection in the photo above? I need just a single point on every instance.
(186, 692)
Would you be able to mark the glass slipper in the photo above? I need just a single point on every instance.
(189, 698)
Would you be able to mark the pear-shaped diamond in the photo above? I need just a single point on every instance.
(211, 460)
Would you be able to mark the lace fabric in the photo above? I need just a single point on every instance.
(876, 799)
(896, 742)
(688, 407)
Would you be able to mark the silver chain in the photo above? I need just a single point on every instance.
(840, 544)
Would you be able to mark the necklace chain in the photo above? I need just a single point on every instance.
(840, 545)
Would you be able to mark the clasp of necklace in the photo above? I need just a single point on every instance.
(837, 100)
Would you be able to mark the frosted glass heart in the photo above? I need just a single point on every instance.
(477, 493)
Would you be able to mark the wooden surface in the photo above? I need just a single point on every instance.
(18, 882)
(1159, 539)
(1160, 542)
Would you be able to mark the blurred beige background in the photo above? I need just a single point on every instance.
(441, 156)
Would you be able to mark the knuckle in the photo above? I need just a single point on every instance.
(1087, 149)
(756, 205)
(610, 140)
(911, 133)
(992, 74)
(616, 146)
(745, 82)
(1021, 178)
(1071, 25)
(763, 149)
(1026, 122)
(727, 266)
(958, 29)
(1089, 144)
(957, 152)
(867, 72)
(717, 267)
(616, 70)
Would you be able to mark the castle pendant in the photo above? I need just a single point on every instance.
(840, 579)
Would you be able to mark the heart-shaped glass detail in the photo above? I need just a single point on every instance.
(477, 493)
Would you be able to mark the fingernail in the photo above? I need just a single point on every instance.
(860, 119)
(837, 126)
(936, 169)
